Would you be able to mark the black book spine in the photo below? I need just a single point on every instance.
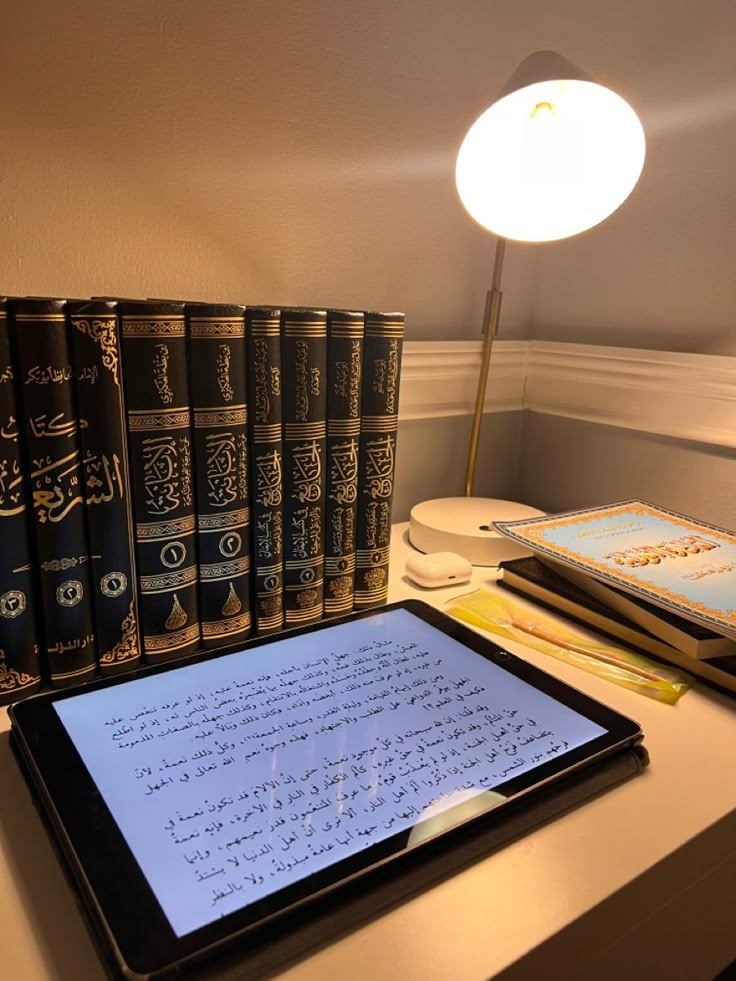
(219, 406)
(345, 331)
(384, 334)
(20, 666)
(263, 346)
(51, 430)
(159, 419)
(304, 370)
(98, 379)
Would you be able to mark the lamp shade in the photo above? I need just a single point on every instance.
(554, 155)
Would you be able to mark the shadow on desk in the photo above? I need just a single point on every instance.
(46, 919)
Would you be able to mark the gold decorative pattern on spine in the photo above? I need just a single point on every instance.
(216, 327)
(236, 415)
(13, 680)
(225, 570)
(379, 424)
(373, 556)
(137, 327)
(308, 563)
(102, 331)
(127, 647)
(343, 427)
(223, 628)
(303, 616)
(80, 672)
(233, 604)
(153, 530)
(165, 583)
(343, 565)
(304, 430)
(215, 522)
(177, 617)
(162, 419)
(26, 318)
(164, 643)
(304, 587)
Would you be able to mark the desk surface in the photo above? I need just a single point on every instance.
(637, 880)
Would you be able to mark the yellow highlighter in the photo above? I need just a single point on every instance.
(504, 618)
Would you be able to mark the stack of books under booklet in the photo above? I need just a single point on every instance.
(177, 476)
(655, 579)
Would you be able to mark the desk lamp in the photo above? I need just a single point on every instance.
(554, 155)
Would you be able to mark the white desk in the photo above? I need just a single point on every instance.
(637, 883)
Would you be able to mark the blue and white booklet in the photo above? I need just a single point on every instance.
(676, 563)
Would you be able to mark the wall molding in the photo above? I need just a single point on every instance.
(685, 396)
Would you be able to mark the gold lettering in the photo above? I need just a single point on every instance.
(223, 372)
(306, 472)
(103, 478)
(380, 466)
(344, 472)
(161, 476)
(41, 426)
(268, 479)
(160, 365)
(221, 458)
(56, 487)
(48, 375)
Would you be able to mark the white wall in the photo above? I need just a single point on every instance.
(294, 152)
(303, 152)
(570, 464)
(660, 272)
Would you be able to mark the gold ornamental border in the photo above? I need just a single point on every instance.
(232, 519)
(165, 583)
(224, 570)
(163, 643)
(135, 327)
(208, 327)
(206, 418)
(157, 530)
(223, 628)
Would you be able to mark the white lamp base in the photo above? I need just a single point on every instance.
(463, 525)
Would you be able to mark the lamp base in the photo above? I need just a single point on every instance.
(464, 525)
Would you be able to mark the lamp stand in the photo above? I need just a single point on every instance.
(464, 524)
(491, 317)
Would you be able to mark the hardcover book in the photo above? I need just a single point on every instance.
(632, 552)
(304, 371)
(98, 381)
(51, 435)
(539, 582)
(384, 334)
(217, 374)
(20, 667)
(345, 330)
(263, 363)
(160, 457)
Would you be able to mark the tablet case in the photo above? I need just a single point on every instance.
(301, 932)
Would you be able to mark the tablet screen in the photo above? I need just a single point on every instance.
(233, 778)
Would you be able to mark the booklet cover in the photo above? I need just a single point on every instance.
(669, 559)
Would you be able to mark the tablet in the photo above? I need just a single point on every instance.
(196, 802)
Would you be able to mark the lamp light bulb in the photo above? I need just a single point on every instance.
(550, 160)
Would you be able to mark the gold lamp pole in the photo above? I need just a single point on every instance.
(491, 318)
(554, 155)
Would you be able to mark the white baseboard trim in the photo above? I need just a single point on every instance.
(685, 396)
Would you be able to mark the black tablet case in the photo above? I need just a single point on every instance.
(303, 931)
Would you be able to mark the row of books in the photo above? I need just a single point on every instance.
(177, 476)
(657, 580)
